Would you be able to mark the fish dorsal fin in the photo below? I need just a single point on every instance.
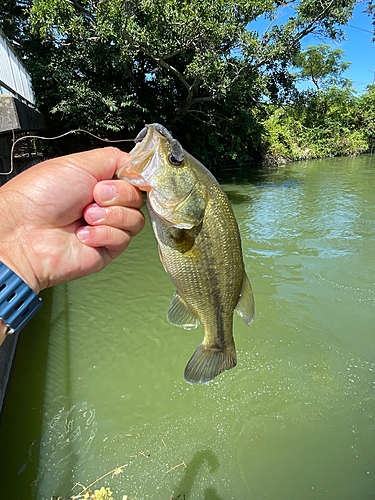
(180, 315)
(245, 305)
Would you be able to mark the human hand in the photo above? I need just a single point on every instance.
(66, 218)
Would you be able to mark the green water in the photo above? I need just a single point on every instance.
(98, 376)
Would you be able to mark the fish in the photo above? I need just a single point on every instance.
(199, 246)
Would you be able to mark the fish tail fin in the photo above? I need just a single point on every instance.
(209, 361)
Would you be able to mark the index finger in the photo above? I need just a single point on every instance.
(102, 163)
(117, 192)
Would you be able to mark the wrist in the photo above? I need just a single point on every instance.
(18, 303)
(3, 331)
(22, 269)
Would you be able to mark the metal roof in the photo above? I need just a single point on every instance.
(14, 78)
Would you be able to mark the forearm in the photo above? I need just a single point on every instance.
(15, 248)
(3, 331)
(12, 252)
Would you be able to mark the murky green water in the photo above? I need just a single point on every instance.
(98, 376)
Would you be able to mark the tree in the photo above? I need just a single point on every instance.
(322, 66)
(14, 19)
(371, 12)
(111, 65)
(365, 114)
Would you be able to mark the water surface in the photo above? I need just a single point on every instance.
(98, 375)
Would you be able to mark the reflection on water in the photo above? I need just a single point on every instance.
(98, 377)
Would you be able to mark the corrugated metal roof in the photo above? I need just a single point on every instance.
(14, 77)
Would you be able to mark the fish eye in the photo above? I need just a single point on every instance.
(173, 161)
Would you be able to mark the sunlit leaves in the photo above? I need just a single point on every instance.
(322, 65)
(196, 65)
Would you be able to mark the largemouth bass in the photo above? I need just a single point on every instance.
(199, 246)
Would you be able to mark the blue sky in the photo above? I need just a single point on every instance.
(359, 47)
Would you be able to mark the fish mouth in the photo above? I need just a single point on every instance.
(140, 167)
(140, 158)
(177, 153)
(143, 150)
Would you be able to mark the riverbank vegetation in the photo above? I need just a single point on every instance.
(201, 67)
(333, 122)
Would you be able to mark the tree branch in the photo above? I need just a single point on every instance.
(311, 26)
(196, 100)
(166, 66)
(80, 7)
(187, 45)
(130, 75)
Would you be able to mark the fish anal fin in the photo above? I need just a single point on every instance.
(180, 315)
(245, 305)
(209, 361)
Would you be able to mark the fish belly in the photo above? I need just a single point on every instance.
(206, 266)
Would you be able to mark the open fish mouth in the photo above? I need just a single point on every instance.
(143, 150)
(176, 149)
(140, 159)
(141, 166)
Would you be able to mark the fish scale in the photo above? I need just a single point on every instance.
(199, 246)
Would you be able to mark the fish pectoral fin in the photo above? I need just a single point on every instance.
(245, 305)
(180, 315)
(209, 361)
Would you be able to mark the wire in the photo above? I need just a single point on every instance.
(362, 29)
(53, 138)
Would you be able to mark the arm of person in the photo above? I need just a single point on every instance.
(66, 218)
(3, 331)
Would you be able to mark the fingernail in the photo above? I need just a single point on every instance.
(95, 214)
(83, 233)
(107, 192)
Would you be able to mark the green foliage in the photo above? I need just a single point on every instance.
(321, 65)
(326, 123)
(197, 66)
(365, 115)
(14, 20)
(371, 11)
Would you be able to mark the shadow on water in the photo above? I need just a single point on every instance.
(255, 174)
(183, 490)
(237, 198)
(30, 378)
(58, 383)
(25, 392)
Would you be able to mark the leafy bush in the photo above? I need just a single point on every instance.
(332, 122)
